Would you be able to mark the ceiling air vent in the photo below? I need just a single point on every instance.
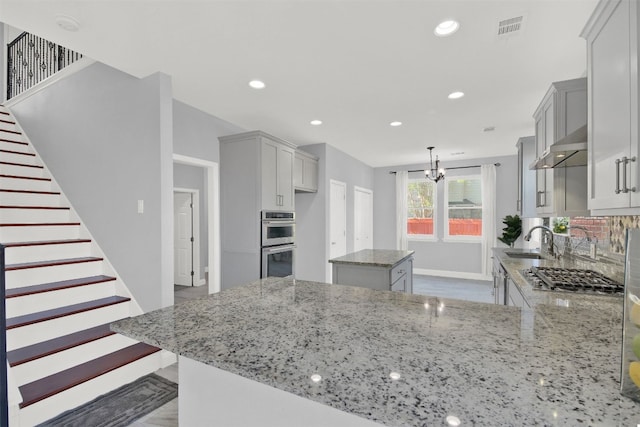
(509, 26)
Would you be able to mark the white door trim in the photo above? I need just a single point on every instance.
(355, 213)
(212, 177)
(198, 280)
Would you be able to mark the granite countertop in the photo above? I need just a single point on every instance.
(374, 257)
(478, 362)
(515, 266)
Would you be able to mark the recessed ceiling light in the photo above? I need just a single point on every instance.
(394, 124)
(67, 23)
(456, 95)
(316, 122)
(257, 84)
(458, 153)
(446, 28)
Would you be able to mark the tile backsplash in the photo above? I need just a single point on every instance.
(618, 226)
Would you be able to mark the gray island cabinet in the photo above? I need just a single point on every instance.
(380, 269)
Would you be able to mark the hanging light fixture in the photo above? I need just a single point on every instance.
(436, 173)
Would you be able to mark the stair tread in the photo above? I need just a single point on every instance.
(33, 178)
(42, 349)
(17, 152)
(45, 242)
(37, 224)
(35, 207)
(29, 319)
(45, 387)
(6, 190)
(11, 141)
(56, 286)
(8, 121)
(50, 263)
(11, 131)
(22, 164)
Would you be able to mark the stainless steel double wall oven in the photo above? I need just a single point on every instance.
(278, 243)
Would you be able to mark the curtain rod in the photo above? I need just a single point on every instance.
(446, 169)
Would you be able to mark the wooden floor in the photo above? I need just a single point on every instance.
(447, 287)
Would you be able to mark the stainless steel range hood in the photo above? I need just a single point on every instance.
(568, 151)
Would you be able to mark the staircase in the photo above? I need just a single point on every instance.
(61, 295)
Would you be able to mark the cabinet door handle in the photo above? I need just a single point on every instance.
(618, 161)
(624, 175)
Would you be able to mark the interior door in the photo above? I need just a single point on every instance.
(183, 238)
(337, 221)
(363, 219)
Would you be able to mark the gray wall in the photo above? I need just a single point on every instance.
(195, 133)
(312, 210)
(451, 257)
(107, 139)
(193, 177)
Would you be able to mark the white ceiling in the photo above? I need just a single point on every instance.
(355, 65)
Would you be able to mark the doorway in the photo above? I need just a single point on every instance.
(186, 237)
(337, 221)
(212, 189)
(362, 219)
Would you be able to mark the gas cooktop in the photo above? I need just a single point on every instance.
(572, 280)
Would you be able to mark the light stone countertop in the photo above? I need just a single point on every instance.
(479, 362)
(374, 257)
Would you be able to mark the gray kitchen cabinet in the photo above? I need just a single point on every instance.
(305, 172)
(378, 269)
(561, 191)
(256, 174)
(277, 175)
(525, 204)
(514, 296)
(613, 107)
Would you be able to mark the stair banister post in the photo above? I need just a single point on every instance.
(4, 392)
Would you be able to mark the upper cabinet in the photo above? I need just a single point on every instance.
(305, 172)
(612, 69)
(525, 205)
(561, 191)
(259, 167)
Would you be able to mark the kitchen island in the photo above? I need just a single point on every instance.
(381, 269)
(390, 358)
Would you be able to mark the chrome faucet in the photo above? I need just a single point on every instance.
(527, 237)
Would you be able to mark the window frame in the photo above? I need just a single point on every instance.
(457, 238)
(425, 237)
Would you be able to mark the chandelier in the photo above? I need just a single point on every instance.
(436, 173)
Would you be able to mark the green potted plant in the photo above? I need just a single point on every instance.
(512, 230)
(561, 225)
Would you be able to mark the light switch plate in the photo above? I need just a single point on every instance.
(140, 206)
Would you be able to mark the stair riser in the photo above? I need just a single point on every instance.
(43, 331)
(4, 145)
(17, 216)
(25, 184)
(20, 254)
(45, 366)
(35, 303)
(83, 393)
(18, 158)
(29, 199)
(36, 276)
(21, 171)
(46, 232)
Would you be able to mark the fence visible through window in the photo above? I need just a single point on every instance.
(32, 59)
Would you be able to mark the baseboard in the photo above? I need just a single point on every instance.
(201, 282)
(453, 274)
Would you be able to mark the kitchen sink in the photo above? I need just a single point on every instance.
(528, 255)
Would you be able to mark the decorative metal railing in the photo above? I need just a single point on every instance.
(31, 59)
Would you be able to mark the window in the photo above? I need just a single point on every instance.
(464, 207)
(421, 208)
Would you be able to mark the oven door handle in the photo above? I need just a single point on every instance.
(276, 222)
(278, 249)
